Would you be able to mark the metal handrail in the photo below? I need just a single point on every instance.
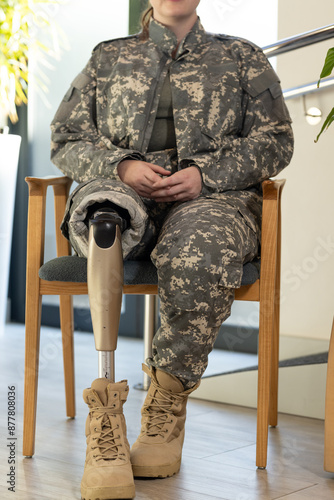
(299, 41)
(308, 88)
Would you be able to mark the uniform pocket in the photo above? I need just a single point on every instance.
(266, 87)
(82, 82)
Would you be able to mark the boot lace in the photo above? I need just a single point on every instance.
(108, 445)
(159, 411)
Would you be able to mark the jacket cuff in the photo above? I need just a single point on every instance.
(191, 163)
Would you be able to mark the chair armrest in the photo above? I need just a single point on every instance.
(272, 188)
(271, 234)
(49, 180)
(271, 208)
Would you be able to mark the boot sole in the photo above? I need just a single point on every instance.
(109, 493)
(156, 470)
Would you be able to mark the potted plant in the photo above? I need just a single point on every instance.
(22, 25)
(326, 71)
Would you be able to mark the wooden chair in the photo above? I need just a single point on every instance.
(264, 289)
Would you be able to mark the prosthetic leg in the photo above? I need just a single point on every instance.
(108, 472)
(105, 285)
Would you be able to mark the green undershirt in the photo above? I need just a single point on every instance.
(163, 134)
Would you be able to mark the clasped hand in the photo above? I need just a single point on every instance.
(157, 183)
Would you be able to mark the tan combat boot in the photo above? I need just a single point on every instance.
(108, 473)
(158, 449)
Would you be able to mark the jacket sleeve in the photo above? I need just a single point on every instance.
(264, 144)
(78, 149)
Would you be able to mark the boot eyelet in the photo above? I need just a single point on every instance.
(95, 429)
(115, 395)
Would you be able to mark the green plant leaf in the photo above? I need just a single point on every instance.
(326, 124)
(328, 65)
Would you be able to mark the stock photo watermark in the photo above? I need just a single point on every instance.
(298, 273)
(223, 7)
(11, 445)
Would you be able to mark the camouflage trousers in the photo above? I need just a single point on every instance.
(199, 256)
(199, 248)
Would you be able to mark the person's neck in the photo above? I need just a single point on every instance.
(180, 28)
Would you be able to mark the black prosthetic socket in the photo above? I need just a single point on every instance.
(119, 215)
(104, 228)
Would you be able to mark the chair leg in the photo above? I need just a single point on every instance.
(329, 409)
(273, 403)
(32, 342)
(150, 325)
(264, 370)
(66, 322)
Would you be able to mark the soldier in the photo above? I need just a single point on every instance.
(174, 129)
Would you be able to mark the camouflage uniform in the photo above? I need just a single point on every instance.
(230, 121)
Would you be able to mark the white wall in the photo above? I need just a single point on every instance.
(255, 20)
(308, 208)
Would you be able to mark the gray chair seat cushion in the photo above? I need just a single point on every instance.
(74, 269)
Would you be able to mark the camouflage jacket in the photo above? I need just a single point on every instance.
(229, 114)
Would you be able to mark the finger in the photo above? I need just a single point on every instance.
(162, 183)
(158, 169)
(180, 177)
(151, 178)
(173, 198)
(171, 192)
(164, 192)
(167, 182)
(145, 193)
(168, 189)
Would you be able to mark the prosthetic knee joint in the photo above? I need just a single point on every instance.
(105, 285)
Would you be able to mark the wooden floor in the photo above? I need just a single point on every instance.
(219, 450)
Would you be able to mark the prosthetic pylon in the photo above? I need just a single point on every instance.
(105, 286)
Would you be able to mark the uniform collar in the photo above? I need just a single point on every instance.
(166, 39)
